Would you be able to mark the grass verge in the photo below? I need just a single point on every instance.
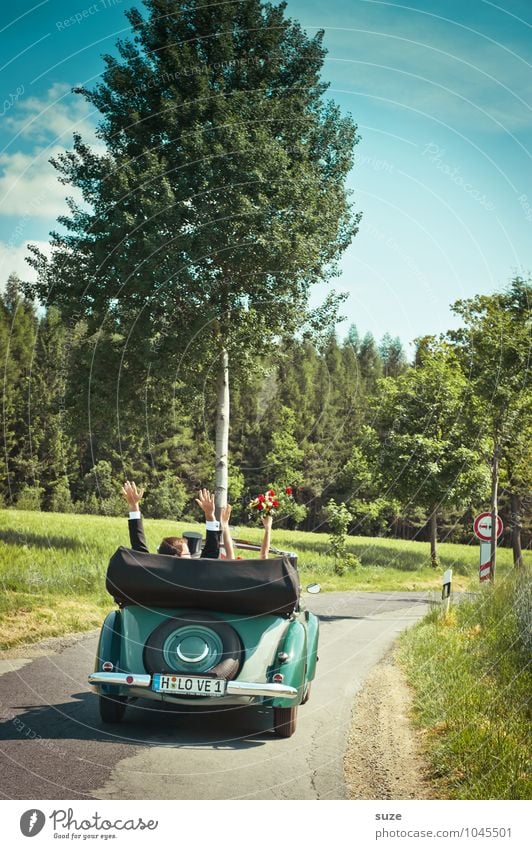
(473, 683)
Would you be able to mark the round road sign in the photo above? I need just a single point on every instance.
(482, 526)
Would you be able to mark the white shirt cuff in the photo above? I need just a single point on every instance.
(212, 526)
(134, 514)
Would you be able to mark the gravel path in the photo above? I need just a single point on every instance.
(384, 758)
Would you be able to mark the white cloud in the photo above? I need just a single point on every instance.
(12, 260)
(29, 187)
(54, 117)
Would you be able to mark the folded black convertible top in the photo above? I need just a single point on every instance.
(253, 587)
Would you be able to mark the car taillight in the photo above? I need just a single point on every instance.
(129, 679)
(278, 678)
(107, 666)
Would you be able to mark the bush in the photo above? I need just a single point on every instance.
(101, 482)
(30, 498)
(60, 500)
(102, 492)
(166, 498)
(339, 517)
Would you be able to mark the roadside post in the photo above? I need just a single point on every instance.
(446, 591)
(482, 530)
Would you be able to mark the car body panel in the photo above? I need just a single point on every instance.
(109, 647)
(293, 670)
(124, 634)
(313, 634)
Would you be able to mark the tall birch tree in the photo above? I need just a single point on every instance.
(219, 200)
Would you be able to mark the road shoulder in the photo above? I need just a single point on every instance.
(384, 757)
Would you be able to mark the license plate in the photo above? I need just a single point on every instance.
(185, 685)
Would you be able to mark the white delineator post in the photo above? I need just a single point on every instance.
(446, 591)
(484, 572)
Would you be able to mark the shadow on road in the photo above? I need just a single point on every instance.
(145, 723)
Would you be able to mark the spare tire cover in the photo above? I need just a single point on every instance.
(194, 643)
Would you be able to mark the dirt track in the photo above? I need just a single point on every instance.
(384, 758)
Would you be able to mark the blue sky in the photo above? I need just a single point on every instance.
(438, 88)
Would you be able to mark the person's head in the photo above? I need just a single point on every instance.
(174, 546)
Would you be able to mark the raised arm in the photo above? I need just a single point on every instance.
(211, 549)
(225, 515)
(266, 539)
(133, 496)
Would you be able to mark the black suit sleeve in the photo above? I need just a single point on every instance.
(211, 549)
(136, 535)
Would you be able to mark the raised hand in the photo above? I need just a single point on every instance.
(225, 515)
(206, 502)
(132, 495)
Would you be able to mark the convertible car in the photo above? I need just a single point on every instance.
(206, 632)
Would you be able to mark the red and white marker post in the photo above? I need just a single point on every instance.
(482, 530)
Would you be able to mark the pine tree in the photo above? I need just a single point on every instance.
(18, 471)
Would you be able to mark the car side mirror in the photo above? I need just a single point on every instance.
(314, 588)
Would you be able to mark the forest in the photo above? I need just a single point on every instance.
(406, 448)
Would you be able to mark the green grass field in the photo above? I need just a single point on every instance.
(52, 567)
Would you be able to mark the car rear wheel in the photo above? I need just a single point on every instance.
(195, 643)
(284, 721)
(112, 708)
(306, 694)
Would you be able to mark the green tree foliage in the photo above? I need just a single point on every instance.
(220, 198)
(430, 454)
(18, 325)
(393, 356)
(361, 484)
(306, 418)
(494, 348)
(339, 517)
(52, 448)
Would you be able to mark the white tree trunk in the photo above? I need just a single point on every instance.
(434, 538)
(222, 432)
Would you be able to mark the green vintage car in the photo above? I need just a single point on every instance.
(206, 632)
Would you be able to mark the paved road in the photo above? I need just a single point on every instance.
(52, 745)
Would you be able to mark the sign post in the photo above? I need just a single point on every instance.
(482, 530)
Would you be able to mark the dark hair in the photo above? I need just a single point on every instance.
(173, 546)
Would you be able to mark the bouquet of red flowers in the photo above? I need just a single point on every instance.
(267, 503)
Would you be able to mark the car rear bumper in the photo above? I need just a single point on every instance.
(234, 688)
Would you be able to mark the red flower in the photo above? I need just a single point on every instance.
(276, 504)
(271, 492)
(260, 506)
(260, 497)
(288, 490)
